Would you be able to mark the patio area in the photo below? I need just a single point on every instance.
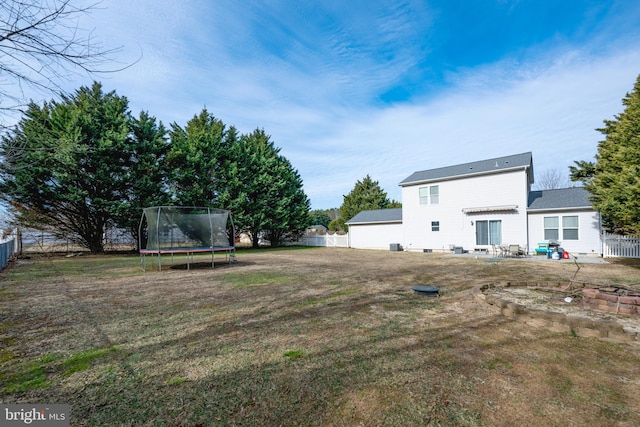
(580, 258)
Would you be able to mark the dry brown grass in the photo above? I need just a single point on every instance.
(304, 337)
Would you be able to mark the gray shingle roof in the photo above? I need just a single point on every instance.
(482, 166)
(575, 197)
(376, 216)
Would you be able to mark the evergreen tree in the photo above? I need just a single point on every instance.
(197, 160)
(147, 173)
(263, 191)
(583, 171)
(366, 195)
(290, 215)
(65, 164)
(319, 217)
(614, 179)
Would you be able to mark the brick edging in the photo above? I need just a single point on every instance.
(607, 330)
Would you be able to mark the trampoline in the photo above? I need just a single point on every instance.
(177, 230)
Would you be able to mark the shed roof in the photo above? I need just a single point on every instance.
(574, 197)
(377, 216)
(483, 166)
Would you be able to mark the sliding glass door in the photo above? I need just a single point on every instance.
(489, 232)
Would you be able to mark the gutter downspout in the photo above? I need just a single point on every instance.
(528, 186)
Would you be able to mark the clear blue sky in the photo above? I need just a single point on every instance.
(385, 88)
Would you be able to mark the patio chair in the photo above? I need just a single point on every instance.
(515, 251)
(502, 251)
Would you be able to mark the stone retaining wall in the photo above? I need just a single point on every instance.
(613, 302)
(608, 330)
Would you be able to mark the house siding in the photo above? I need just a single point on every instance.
(456, 229)
(488, 190)
(374, 236)
(588, 242)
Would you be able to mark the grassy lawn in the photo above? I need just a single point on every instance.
(314, 336)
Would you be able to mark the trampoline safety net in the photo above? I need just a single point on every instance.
(176, 227)
(173, 230)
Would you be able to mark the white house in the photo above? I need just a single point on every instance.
(376, 229)
(478, 205)
(565, 215)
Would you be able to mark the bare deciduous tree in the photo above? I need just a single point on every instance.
(552, 179)
(41, 44)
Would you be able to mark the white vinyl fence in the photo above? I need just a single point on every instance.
(7, 249)
(618, 246)
(327, 240)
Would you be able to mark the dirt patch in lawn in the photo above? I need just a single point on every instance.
(557, 299)
(304, 337)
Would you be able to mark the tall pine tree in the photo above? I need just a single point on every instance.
(263, 191)
(366, 195)
(146, 173)
(614, 179)
(197, 160)
(64, 167)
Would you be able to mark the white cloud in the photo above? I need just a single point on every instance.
(317, 92)
(553, 113)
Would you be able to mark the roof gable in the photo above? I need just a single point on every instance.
(499, 164)
(377, 216)
(561, 198)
